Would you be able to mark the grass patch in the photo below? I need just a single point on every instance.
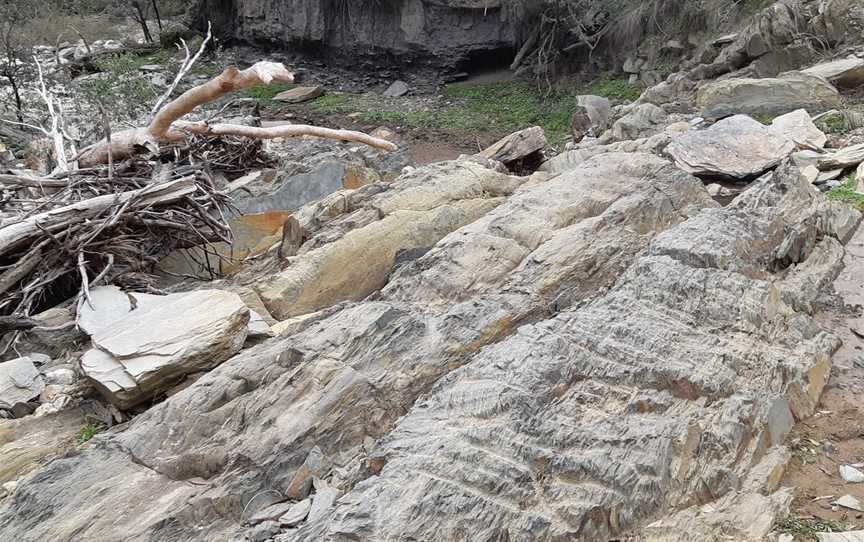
(615, 89)
(331, 103)
(847, 194)
(128, 63)
(264, 94)
(507, 107)
(807, 528)
(489, 109)
(89, 431)
(834, 124)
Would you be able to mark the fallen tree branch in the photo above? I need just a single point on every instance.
(162, 129)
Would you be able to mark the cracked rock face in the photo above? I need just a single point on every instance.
(585, 356)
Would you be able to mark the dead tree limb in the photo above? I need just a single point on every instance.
(162, 129)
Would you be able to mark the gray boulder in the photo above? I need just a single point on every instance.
(735, 148)
(767, 97)
(147, 351)
(799, 127)
(642, 121)
(844, 72)
(397, 89)
(20, 382)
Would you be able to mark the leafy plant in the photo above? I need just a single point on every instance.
(846, 192)
(807, 528)
(89, 431)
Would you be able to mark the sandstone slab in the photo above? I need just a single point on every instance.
(844, 72)
(148, 350)
(299, 95)
(737, 147)
(20, 382)
(768, 96)
(799, 127)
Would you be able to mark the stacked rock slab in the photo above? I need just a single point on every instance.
(344, 378)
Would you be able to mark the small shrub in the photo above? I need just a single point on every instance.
(89, 431)
(847, 194)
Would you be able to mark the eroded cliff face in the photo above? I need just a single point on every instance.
(444, 33)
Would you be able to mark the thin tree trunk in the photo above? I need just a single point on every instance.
(156, 11)
(17, 95)
(142, 20)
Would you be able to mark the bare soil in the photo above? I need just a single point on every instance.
(835, 435)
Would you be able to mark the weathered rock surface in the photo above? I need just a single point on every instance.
(799, 127)
(736, 147)
(149, 349)
(20, 382)
(643, 121)
(844, 72)
(353, 256)
(345, 376)
(299, 94)
(516, 146)
(768, 96)
(658, 396)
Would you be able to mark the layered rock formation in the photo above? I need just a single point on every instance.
(441, 32)
(592, 353)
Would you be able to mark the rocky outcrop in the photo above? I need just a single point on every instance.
(844, 72)
(439, 32)
(343, 377)
(149, 349)
(735, 148)
(656, 397)
(768, 96)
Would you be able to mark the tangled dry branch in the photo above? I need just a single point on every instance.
(70, 234)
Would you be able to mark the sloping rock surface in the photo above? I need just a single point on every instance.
(844, 72)
(188, 468)
(657, 396)
(736, 147)
(150, 348)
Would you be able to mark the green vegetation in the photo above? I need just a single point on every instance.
(834, 124)
(846, 193)
(331, 103)
(489, 108)
(265, 94)
(127, 63)
(89, 431)
(615, 89)
(807, 528)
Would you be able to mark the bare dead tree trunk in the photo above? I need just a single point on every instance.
(141, 17)
(16, 95)
(156, 11)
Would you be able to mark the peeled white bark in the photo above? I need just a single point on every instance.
(165, 128)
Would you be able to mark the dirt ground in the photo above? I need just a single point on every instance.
(835, 435)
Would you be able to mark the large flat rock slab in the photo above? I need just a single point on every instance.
(146, 351)
(768, 96)
(734, 148)
(844, 72)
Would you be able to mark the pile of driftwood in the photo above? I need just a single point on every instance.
(67, 233)
(115, 208)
